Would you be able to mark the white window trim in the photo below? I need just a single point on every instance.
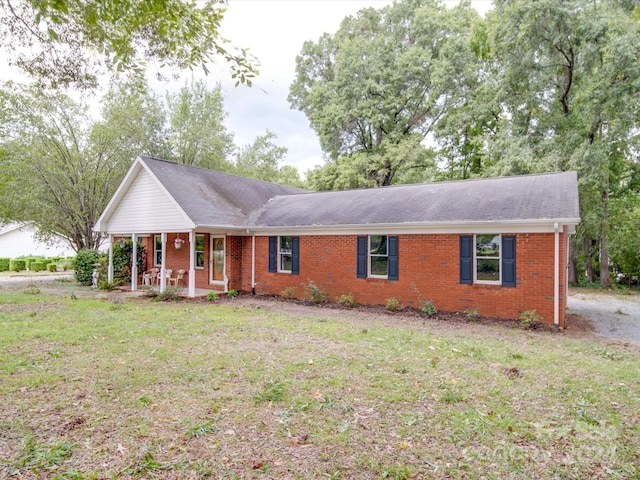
(155, 251)
(475, 262)
(195, 248)
(369, 255)
(279, 258)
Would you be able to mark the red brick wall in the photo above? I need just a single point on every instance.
(429, 269)
(177, 259)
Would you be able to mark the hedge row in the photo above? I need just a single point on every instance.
(35, 264)
(17, 265)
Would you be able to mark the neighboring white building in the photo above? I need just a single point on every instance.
(18, 240)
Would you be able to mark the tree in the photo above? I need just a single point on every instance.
(62, 167)
(196, 134)
(261, 160)
(567, 73)
(375, 90)
(56, 41)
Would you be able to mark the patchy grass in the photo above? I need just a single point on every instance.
(254, 389)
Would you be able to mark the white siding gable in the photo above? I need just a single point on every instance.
(146, 207)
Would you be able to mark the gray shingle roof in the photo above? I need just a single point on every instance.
(552, 196)
(212, 198)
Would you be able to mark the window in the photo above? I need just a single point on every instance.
(157, 250)
(488, 258)
(377, 257)
(284, 254)
(200, 250)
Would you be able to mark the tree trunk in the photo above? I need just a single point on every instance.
(587, 258)
(605, 278)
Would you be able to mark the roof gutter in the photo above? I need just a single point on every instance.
(538, 225)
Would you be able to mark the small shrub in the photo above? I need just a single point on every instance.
(29, 260)
(36, 266)
(288, 292)
(71, 262)
(169, 294)
(52, 267)
(232, 293)
(530, 319)
(4, 264)
(103, 284)
(17, 265)
(150, 293)
(347, 301)
(394, 305)
(473, 315)
(84, 265)
(31, 290)
(317, 295)
(212, 296)
(428, 307)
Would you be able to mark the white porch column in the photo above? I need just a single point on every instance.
(134, 263)
(192, 263)
(110, 268)
(163, 272)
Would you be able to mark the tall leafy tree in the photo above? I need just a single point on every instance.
(197, 134)
(374, 91)
(62, 167)
(70, 42)
(568, 71)
(261, 160)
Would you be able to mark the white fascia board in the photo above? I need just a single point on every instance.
(189, 223)
(528, 226)
(100, 225)
(221, 229)
(138, 165)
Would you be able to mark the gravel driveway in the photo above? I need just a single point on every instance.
(613, 315)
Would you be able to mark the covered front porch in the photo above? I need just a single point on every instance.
(196, 262)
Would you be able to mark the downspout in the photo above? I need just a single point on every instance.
(566, 272)
(110, 269)
(556, 277)
(253, 264)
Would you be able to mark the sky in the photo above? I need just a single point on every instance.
(274, 31)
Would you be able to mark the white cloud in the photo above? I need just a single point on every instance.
(274, 31)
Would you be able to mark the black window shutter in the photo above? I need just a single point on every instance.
(273, 254)
(295, 255)
(508, 261)
(392, 251)
(362, 257)
(466, 259)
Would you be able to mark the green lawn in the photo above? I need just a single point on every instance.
(99, 388)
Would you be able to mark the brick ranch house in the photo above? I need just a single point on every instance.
(497, 244)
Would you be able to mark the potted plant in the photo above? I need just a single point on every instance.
(177, 243)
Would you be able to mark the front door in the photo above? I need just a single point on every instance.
(217, 260)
